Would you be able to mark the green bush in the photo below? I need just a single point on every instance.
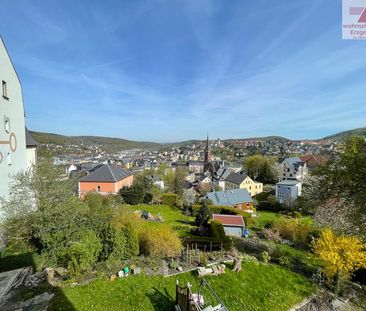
(272, 206)
(133, 195)
(83, 252)
(169, 199)
(121, 243)
(203, 215)
(265, 257)
(295, 230)
(253, 246)
(217, 230)
(262, 196)
(131, 240)
(159, 241)
(286, 261)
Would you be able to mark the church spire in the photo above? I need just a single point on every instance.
(207, 158)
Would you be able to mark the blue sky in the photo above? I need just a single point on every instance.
(175, 70)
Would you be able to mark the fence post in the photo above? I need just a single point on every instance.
(222, 250)
(210, 246)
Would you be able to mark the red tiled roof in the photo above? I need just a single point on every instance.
(314, 160)
(229, 220)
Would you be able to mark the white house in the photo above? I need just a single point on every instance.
(13, 151)
(71, 168)
(292, 168)
(287, 191)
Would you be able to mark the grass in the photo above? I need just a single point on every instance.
(307, 258)
(172, 217)
(256, 287)
(265, 217)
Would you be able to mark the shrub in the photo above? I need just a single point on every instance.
(203, 215)
(147, 198)
(294, 230)
(265, 257)
(83, 252)
(253, 246)
(174, 264)
(133, 195)
(262, 196)
(114, 244)
(120, 237)
(271, 234)
(169, 199)
(341, 255)
(159, 241)
(286, 261)
(217, 230)
(131, 241)
(272, 206)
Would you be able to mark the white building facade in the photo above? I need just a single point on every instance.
(13, 152)
(287, 191)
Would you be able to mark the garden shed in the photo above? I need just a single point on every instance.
(233, 224)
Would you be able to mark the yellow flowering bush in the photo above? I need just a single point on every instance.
(341, 255)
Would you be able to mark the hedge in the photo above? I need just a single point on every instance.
(169, 199)
(217, 230)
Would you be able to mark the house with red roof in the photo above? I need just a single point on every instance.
(313, 161)
(233, 224)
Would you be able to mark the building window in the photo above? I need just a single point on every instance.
(7, 124)
(5, 90)
(98, 188)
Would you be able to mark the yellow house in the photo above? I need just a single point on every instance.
(243, 181)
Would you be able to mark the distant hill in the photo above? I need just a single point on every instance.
(359, 131)
(113, 144)
(116, 144)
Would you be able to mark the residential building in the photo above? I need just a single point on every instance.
(235, 168)
(233, 224)
(31, 146)
(13, 151)
(292, 168)
(195, 166)
(204, 182)
(287, 191)
(236, 198)
(313, 161)
(71, 168)
(107, 179)
(220, 176)
(243, 181)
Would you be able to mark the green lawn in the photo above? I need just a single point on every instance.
(172, 216)
(265, 217)
(256, 287)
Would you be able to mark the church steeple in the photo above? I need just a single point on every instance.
(207, 158)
